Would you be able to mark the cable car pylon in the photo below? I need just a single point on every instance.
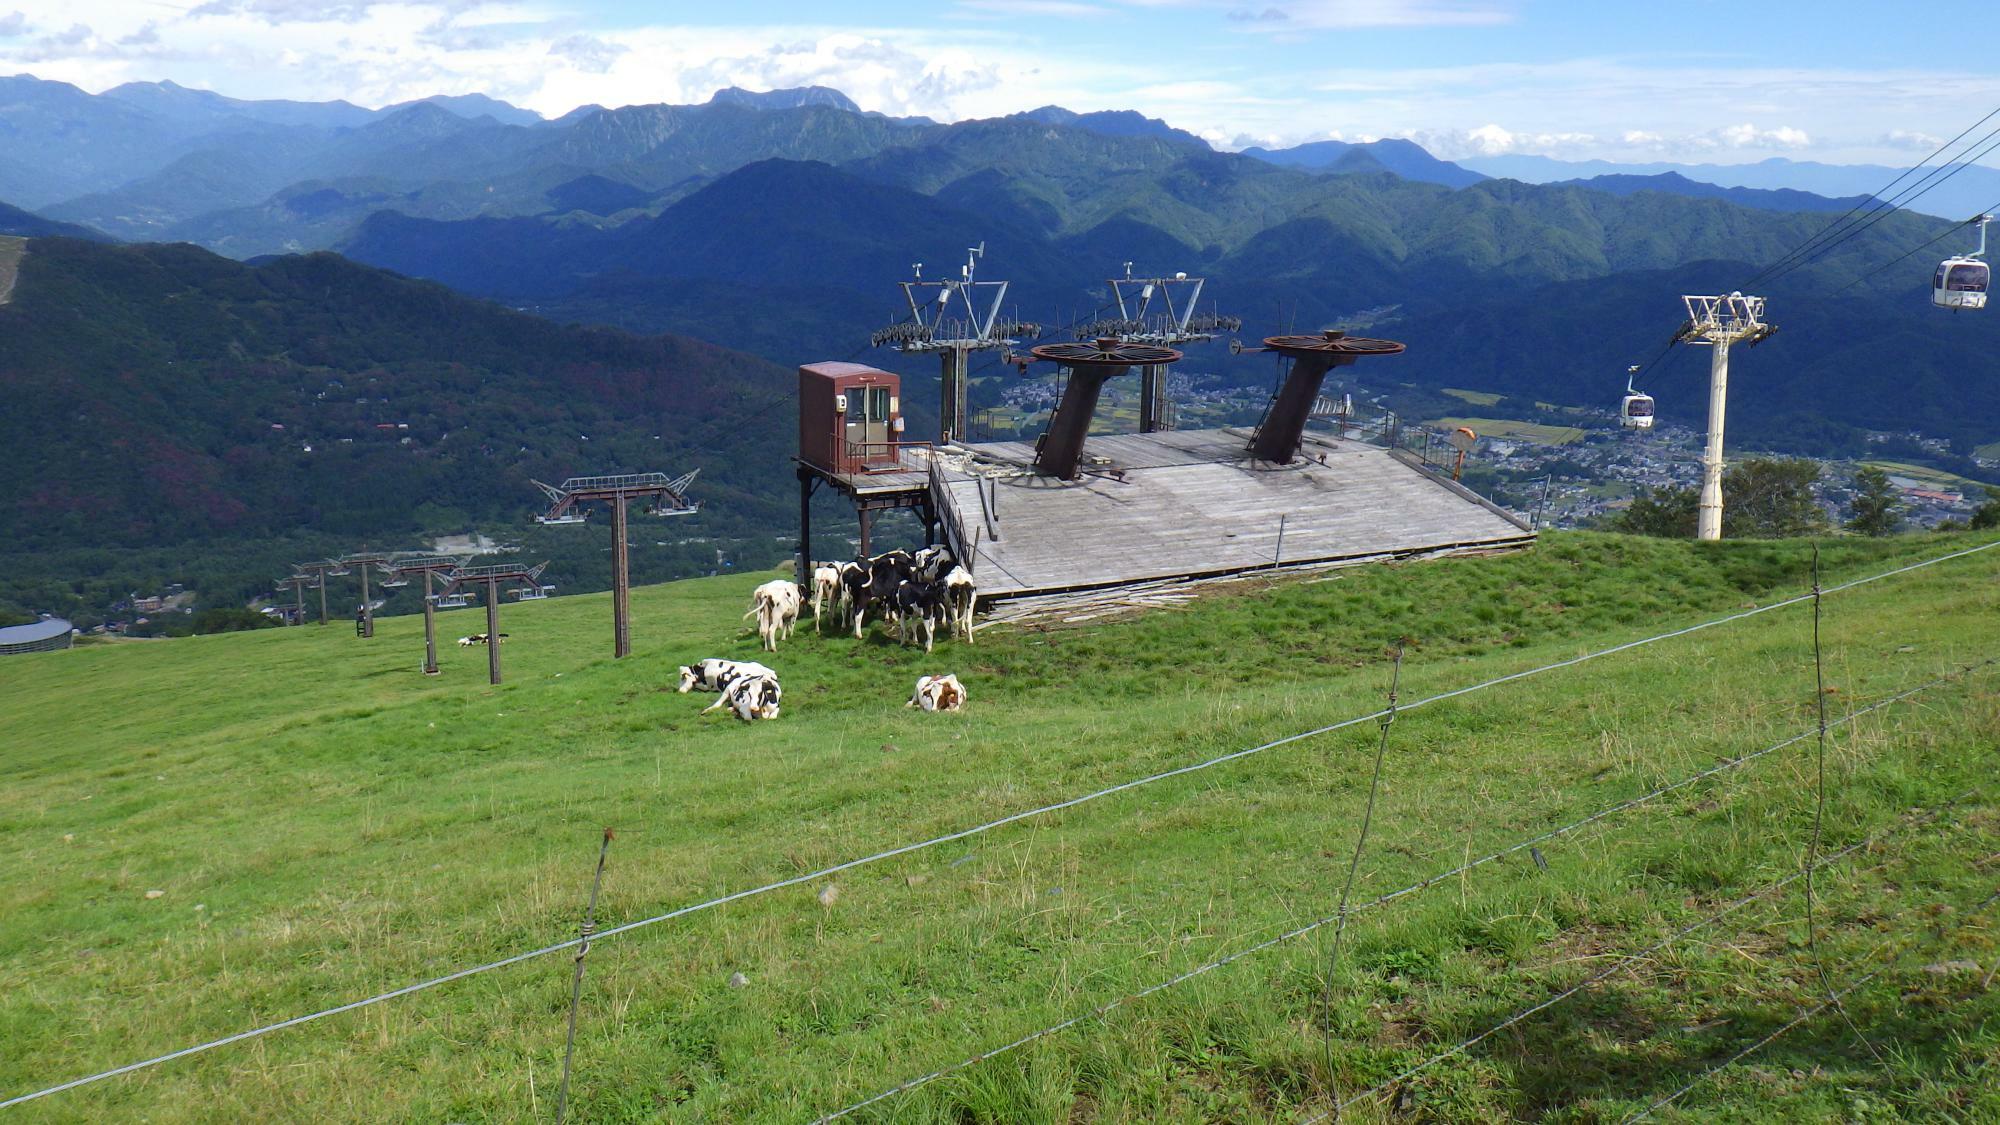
(1719, 322)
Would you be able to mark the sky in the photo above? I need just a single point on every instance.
(1623, 80)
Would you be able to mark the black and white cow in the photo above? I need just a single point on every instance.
(775, 605)
(960, 594)
(826, 588)
(920, 608)
(750, 697)
(716, 674)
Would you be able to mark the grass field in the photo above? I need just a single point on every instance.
(324, 824)
(1476, 398)
(1935, 478)
(1508, 428)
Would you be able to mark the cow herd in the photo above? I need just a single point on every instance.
(922, 593)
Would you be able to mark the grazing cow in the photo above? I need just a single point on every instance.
(716, 674)
(775, 605)
(855, 579)
(938, 693)
(960, 593)
(919, 607)
(826, 591)
(750, 698)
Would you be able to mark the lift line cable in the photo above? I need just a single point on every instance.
(1877, 207)
(1309, 927)
(1642, 956)
(1878, 216)
(1878, 195)
(1802, 1017)
(964, 833)
(1919, 248)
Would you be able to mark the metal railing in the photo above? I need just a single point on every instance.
(885, 456)
(963, 548)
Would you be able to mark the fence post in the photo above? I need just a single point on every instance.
(1278, 556)
(576, 982)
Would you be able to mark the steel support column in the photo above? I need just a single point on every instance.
(1152, 398)
(1284, 427)
(492, 630)
(621, 583)
(430, 629)
(951, 400)
(1709, 520)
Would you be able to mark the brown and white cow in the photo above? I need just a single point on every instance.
(938, 693)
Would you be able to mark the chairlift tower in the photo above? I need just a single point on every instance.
(428, 565)
(1719, 322)
(669, 497)
(1159, 311)
(297, 584)
(489, 579)
(318, 572)
(953, 317)
(364, 625)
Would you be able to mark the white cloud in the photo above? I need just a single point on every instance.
(1908, 139)
(13, 23)
(1344, 15)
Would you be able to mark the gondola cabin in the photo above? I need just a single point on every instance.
(850, 418)
(1961, 284)
(1636, 412)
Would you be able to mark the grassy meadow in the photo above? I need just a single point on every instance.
(323, 823)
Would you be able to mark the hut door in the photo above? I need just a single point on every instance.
(868, 425)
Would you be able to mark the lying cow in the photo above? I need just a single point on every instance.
(479, 639)
(716, 674)
(938, 693)
(776, 606)
(750, 697)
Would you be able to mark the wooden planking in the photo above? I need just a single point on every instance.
(1191, 502)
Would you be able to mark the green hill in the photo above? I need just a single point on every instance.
(365, 828)
(166, 400)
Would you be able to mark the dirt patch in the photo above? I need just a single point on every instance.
(12, 250)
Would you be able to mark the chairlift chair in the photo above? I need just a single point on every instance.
(1636, 411)
(1961, 282)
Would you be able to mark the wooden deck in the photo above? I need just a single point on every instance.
(1191, 502)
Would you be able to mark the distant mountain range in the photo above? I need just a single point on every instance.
(160, 162)
(1402, 158)
(1970, 190)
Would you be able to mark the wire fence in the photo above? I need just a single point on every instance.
(1400, 893)
(1073, 802)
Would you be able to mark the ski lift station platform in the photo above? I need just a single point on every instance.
(1138, 506)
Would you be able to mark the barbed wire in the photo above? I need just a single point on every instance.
(965, 833)
(1802, 1017)
(1629, 961)
(1382, 900)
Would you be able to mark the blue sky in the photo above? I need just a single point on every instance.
(1697, 81)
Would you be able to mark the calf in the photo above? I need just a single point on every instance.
(826, 591)
(938, 693)
(775, 605)
(716, 674)
(750, 698)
